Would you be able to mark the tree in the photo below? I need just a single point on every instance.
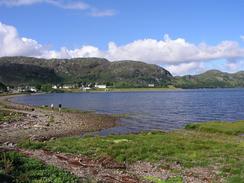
(3, 88)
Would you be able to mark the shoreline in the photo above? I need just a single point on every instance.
(196, 153)
(42, 124)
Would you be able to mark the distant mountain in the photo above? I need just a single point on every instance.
(26, 70)
(211, 79)
(19, 71)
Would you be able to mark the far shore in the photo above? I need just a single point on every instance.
(120, 90)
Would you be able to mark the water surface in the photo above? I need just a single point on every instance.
(161, 110)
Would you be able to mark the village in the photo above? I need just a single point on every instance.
(61, 88)
(34, 89)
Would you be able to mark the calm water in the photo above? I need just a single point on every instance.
(164, 110)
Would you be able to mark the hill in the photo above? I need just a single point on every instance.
(3, 88)
(17, 71)
(211, 79)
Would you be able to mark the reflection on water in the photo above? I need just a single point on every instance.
(164, 110)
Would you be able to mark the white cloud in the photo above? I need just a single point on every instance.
(71, 5)
(19, 2)
(185, 68)
(75, 5)
(234, 65)
(177, 55)
(11, 44)
(169, 51)
(100, 13)
(242, 38)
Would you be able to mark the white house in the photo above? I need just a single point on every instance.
(69, 86)
(21, 89)
(54, 87)
(33, 89)
(101, 86)
(85, 88)
(151, 85)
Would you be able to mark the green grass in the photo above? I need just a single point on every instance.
(197, 147)
(123, 89)
(169, 180)
(233, 128)
(7, 116)
(140, 89)
(189, 148)
(15, 167)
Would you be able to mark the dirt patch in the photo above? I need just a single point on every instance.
(108, 170)
(99, 170)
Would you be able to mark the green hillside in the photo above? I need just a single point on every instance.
(211, 79)
(26, 70)
(17, 71)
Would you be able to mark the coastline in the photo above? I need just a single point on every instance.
(122, 90)
(43, 123)
(198, 153)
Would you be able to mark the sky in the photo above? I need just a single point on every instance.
(183, 36)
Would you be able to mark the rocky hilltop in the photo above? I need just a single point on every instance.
(27, 70)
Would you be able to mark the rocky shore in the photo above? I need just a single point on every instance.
(41, 124)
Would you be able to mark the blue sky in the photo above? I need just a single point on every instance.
(76, 24)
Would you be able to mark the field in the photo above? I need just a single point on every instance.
(218, 150)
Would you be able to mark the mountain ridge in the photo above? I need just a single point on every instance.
(17, 71)
(119, 73)
(211, 79)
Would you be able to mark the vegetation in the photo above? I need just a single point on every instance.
(16, 71)
(211, 79)
(20, 74)
(190, 148)
(170, 180)
(15, 167)
(6, 116)
(3, 88)
(233, 128)
(25, 70)
(141, 89)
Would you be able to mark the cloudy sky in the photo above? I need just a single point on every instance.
(184, 36)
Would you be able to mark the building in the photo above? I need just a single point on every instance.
(69, 86)
(33, 89)
(151, 85)
(21, 89)
(86, 88)
(100, 86)
(55, 87)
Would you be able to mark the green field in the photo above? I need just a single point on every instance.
(191, 148)
(122, 89)
(7, 116)
(15, 167)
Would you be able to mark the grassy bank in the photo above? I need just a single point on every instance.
(190, 148)
(8, 116)
(233, 128)
(15, 167)
(121, 89)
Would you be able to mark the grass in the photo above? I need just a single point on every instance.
(15, 167)
(122, 89)
(169, 180)
(199, 145)
(189, 148)
(8, 116)
(140, 89)
(231, 128)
